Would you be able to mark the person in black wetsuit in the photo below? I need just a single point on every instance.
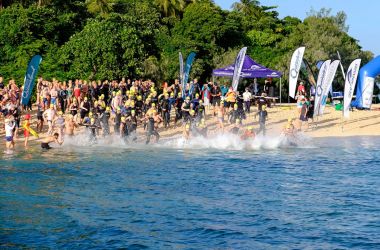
(132, 125)
(262, 119)
(124, 129)
(117, 121)
(178, 108)
(104, 120)
(151, 130)
(165, 106)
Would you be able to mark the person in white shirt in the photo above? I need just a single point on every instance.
(49, 115)
(247, 100)
(9, 128)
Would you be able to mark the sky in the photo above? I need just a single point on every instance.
(363, 16)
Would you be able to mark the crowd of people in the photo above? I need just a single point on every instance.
(121, 107)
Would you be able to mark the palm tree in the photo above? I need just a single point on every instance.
(170, 7)
(247, 7)
(99, 6)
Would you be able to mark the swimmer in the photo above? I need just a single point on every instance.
(236, 128)
(249, 133)
(202, 128)
(186, 131)
(220, 117)
(262, 119)
(70, 125)
(151, 130)
(54, 138)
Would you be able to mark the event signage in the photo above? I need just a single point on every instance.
(349, 86)
(30, 75)
(238, 67)
(319, 91)
(295, 65)
(328, 83)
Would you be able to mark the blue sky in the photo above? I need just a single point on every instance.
(363, 16)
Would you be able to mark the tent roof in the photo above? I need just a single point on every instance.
(251, 69)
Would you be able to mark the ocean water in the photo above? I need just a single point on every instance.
(203, 194)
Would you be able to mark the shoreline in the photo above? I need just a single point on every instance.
(362, 123)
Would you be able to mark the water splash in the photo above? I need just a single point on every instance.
(219, 141)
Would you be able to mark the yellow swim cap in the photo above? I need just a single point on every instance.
(123, 119)
(60, 113)
(108, 109)
(250, 127)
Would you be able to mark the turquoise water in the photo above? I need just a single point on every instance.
(326, 196)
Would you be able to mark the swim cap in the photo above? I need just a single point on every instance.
(172, 94)
(200, 101)
(237, 121)
(235, 105)
(187, 126)
(92, 120)
(123, 119)
(153, 104)
(263, 107)
(51, 106)
(203, 120)
(188, 98)
(108, 109)
(27, 117)
(60, 113)
(197, 95)
(192, 112)
(250, 127)
(133, 111)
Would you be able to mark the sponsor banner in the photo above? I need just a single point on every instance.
(186, 74)
(319, 90)
(349, 86)
(238, 67)
(30, 76)
(369, 83)
(294, 69)
(327, 84)
(181, 70)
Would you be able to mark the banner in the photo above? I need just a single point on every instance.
(30, 75)
(319, 91)
(181, 69)
(238, 67)
(327, 84)
(349, 86)
(295, 65)
(186, 73)
(369, 83)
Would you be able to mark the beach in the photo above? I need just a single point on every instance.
(331, 124)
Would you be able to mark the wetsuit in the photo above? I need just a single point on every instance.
(178, 112)
(117, 122)
(262, 119)
(104, 119)
(166, 112)
(151, 130)
(185, 113)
